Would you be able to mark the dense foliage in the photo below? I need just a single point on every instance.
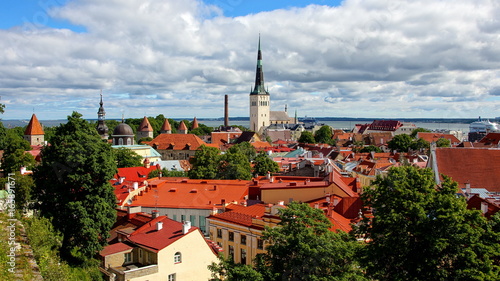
(324, 135)
(125, 158)
(72, 187)
(264, 164)
(306, 137)
(421, 231)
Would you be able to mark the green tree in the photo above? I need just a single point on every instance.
(302, 247)
(125, 157)
(202, 130)
(226, 269)
(419, 144)
(72, 187)
(143, 140)
(371, 148)
(234, 164)
(263, 164)
(15, 155)
(306, 137)
(23, 186)
(244, 148)
(423, 231)
(418, 130)
(324, 135)
(400, 143)
(206, 163)
(442, 142)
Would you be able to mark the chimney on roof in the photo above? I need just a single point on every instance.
(316, 205)
(484, 207)
(136, 185)
(159, 225)
(226, 111)
(281, 203)
(468, 189)
(154, 214)
(186, 227)
(121, 179)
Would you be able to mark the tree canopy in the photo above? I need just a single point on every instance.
(423, 231)
(306, 137)
(324, 135)
(15, 155)
(302, 247)
(400, 143)
(263, 164)
(206, 163)
(72, 187)
(125, 158)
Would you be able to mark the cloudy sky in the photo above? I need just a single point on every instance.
(352, 58)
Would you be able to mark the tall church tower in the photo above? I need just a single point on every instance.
(102, 129)
(260, 102)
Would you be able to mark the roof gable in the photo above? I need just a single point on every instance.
(145, 126)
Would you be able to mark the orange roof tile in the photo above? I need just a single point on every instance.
(166, 126)
(193, 194)
(478, 166)
(145, 126)
(115, 249)
(176, 142)
(34, 127)
(156, 240)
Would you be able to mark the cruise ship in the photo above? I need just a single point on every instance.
(483, 126)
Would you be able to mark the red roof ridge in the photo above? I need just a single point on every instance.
(34, 127)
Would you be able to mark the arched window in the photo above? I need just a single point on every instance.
(178, 257)
(129, 141)
(120, 141)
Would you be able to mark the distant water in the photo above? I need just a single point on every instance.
(346, 125)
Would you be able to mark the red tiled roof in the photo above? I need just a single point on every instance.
(145, 126)
(478, 166)
(385, 125)
(491, 139)
(137, 174)
(34, 127)
(156, 240)
(193, 194)
(176, 141)
(166, 126)
(433, 137)
(115, 249)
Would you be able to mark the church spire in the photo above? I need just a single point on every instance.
(259, 88)
(102, 129)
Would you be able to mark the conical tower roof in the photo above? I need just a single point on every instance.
(145, 126)
(166, 126)
(34, 127)
(182, 126)
(195, 124)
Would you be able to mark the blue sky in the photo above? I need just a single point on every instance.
(351, 58)
(18, 12)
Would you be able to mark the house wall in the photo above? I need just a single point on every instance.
(196, 257)
(115, 260)
(34, 139)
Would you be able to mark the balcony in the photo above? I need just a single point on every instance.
(131, 271)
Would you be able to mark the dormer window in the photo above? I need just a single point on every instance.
(178, 257)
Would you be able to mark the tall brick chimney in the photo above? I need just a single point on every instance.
(226, 111)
